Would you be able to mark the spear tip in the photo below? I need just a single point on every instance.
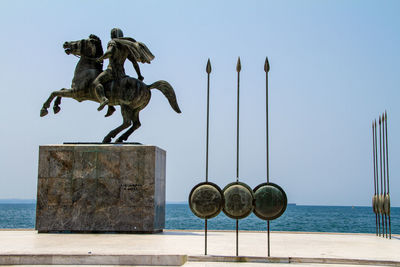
(385, 115)
(266, 65)
(208, 68)
(238, 65)
(379, 119)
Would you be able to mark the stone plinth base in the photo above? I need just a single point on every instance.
(101, 188)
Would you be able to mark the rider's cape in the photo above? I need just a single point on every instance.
(138, 50)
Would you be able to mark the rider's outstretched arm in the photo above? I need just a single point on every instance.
(108, 53)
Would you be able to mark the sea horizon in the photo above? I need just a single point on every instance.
(297, 218)
(33, 201)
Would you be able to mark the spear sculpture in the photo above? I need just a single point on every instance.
(381, 195)
(384, 173)
(387, 197)
(238, 69)
(374, 197)
(266, 69)
(377, 181)
(208, 70)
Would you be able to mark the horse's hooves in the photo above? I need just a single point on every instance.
(106, 140)
(43, 112)
(56, 109)
(119, 140)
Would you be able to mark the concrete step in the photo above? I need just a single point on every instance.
(88, 259)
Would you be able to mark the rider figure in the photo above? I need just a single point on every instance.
(118, 50)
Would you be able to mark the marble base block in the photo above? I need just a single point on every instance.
(101, 188)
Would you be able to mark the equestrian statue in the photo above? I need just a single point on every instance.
(112, 86)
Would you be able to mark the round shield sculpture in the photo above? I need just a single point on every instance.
(386, 204)
(206, 200)
(239, 200)
(270, 201)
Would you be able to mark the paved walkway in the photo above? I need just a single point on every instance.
(177, 247)
(214, 264)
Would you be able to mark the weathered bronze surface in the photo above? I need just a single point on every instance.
(377, 178)
(239, 200)
(387, 176)
(386, 204)
(381, 198)
(374, 202)
(270, 201)
(119, 49)
(131, 94)
(205, 200)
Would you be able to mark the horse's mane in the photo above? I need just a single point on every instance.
(99, 47)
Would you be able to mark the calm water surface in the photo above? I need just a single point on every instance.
(296, 218)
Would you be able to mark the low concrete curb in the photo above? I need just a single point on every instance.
(344, 261)
(168, 260)
(291, 260)
(70, 259)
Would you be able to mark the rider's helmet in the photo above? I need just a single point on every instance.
(116, 33)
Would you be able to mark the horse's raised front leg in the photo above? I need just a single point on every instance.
(56, 106)
(135, 125)
(126, 111)
(61, 93)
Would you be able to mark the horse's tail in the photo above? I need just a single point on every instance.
(168, 91)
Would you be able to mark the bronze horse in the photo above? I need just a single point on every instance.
(131, 94)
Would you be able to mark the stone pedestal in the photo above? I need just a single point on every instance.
(101, 188)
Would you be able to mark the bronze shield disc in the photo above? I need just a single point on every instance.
(239, 200)
(206, 200)
(270, 201)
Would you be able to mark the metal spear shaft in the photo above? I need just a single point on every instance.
(377, 178)
(380, 151)
(384, 169)
(238, 69)
(373, 153)
(266, 69)
(387, 173)
(208, 70)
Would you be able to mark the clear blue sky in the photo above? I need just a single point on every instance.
(334, 67)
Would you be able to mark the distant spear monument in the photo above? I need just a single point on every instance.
(102, 187)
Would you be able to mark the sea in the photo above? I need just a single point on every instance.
(340, 219)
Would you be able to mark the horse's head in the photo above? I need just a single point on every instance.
(90, 47)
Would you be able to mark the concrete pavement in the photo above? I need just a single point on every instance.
(173, 247)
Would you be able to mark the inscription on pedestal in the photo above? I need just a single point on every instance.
(101, 188)
(131, 187)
